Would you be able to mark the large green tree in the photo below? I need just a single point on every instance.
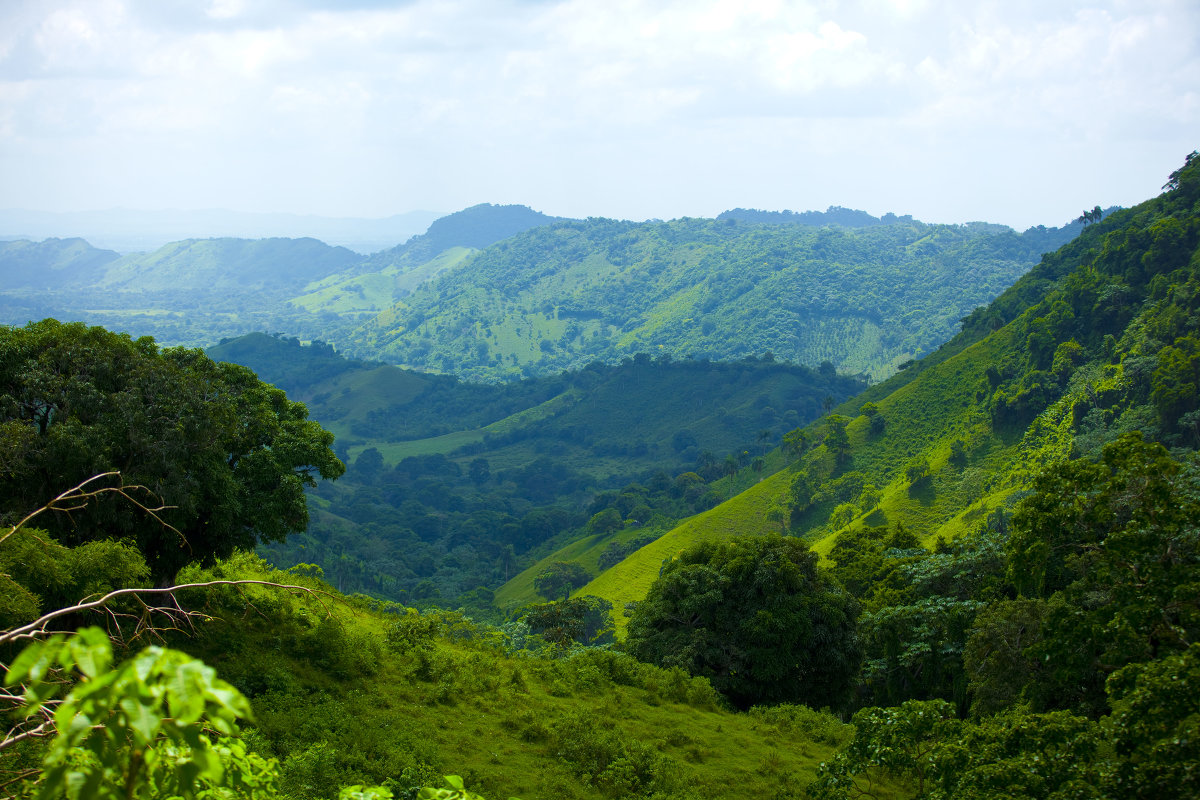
(559, 579)
(756, 617)
(1107, 552)
(228, 454)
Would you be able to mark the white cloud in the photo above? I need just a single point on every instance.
(622, 108)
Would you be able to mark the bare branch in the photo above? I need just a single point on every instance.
(41, 730)
(37, 627)
(77, 498)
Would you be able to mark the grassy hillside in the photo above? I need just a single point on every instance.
(1092, 343)
(559, 296)
(406, 698)
(372, 292)
(629, 580)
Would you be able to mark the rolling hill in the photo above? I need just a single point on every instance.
(1098, 340)
(559, 296)
(52, 264)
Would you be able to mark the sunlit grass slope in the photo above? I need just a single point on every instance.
(362, 692)
(934, 414)
(375, 291)
(631, 579)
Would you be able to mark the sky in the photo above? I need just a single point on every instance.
(1021, 112)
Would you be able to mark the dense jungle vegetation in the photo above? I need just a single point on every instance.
(985, 571)
(454, 487)
(497, 293)
(559, 296)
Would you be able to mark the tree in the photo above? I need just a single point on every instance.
(754, 616)
(1156, 728)
(228, 455)
(731, 467)
(917, 471)
(560, 579)
(479, 471)
(837, 441)
(369, 464)
(898, 741)
(584, 620)
(605, 521)
(1112, 547)
(795, 442)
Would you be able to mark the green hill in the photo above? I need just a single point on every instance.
(445, 474)
(52, 264)
(1097, 340)
(559, 296)
(271, 265)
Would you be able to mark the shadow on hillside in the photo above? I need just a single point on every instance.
(923, 491)
(876, 519)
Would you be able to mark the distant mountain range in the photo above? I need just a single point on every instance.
(129, 231)
(500, 292)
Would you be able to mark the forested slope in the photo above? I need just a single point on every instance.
(1090, 344)
(562, 295)
(455, 486)
(1017, 517)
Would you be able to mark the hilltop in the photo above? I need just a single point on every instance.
(559, 296)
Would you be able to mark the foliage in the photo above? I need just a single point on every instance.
(37, 573)
(160, 724)
(1020, 755)
(899, 742)
(583, 620)
(1113, 545)
(603, 757)
(454, 791)
(748, 614)
(228, 455)
(559, 579)
(562, 295)
(1155, 728)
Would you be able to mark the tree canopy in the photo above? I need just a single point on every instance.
(754, 616)
(559, 579)
(227, 454)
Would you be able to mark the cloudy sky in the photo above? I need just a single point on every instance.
(1019, 111)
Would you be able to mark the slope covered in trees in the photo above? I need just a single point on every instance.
(563, 295)
(239, 285)
(1017, 516)
(455, 486)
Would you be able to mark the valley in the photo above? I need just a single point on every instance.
(805, 505)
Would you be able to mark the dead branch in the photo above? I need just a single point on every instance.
(37, 628)
(77, 498)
